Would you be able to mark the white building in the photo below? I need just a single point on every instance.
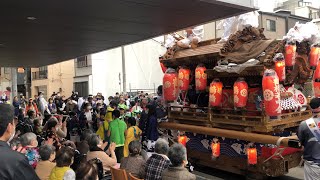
(102, 72)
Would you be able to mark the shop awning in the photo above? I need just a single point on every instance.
(35, 33)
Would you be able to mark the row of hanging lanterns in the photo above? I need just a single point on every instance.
(252, 154)
(174, 83)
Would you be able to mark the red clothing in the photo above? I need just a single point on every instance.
(33, 106)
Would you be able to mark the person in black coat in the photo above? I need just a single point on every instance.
(13, 165)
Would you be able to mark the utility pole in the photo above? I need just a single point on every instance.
(124, 70)
(14, 83)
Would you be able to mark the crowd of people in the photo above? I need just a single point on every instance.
(76, 138)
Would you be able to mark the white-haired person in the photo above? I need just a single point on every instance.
(178, 158)
(30, 143)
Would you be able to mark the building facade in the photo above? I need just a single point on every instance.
(301, 8)
(103, 72)
(6, 81)
(275, 25)
(53, 78)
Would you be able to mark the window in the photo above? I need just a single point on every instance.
(314, 15)
(83, 61)
(82, 88)
(271, 25)
(42, 73)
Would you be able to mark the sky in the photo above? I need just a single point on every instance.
(269, 5)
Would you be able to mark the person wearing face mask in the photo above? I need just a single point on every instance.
(178, 158)
(30, 143)
(13, 165)
(87, 118)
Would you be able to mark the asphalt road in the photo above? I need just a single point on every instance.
(214, 174)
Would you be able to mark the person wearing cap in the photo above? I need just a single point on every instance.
(309, 136)
(122, 104)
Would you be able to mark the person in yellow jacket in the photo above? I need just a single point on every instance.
(133, 133)
(104, 127)
(62, 170)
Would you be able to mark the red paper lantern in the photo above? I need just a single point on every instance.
(215, 93)
(280, 67)
(290, 54)
(314, 56)
(240, 93)
(215, 148)
(271, 92)
(252, 155)
(201, 78)
(183, 140)
(170, 85)
(184, 79)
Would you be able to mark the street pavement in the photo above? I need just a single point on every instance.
(213, 174)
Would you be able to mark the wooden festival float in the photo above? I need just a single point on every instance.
(240, 117)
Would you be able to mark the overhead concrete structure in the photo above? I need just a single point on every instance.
(35, 33)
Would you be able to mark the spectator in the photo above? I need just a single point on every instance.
(31, 117)
(57, 127)
(32, 106)
(37, 127)
(103, 128)
(71, 106)
(310, 138)
(87, 171)
(23, 101)
(86, 118)
(21, 115)
(16, 105)
(45, 166)
(122, 104)
(117, 130)
(30, 143)
(42, 103)
(151, 128)
(133, 133)
(62, 170)
(112, 106)
(52, 106)
(134, 163)
(177, 171)
(96, 151)
(13, 165)
(158, 161)
(83, 146)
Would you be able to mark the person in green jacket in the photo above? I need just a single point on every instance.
(117, 132)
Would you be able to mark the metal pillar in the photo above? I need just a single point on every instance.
(124, 83)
